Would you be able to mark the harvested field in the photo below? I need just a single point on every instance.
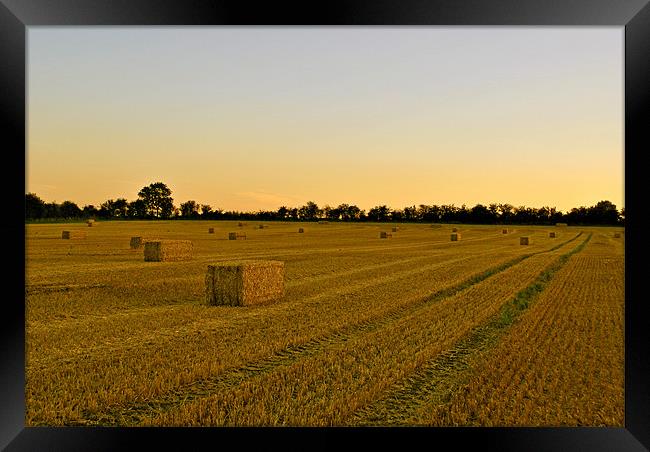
(366, 331)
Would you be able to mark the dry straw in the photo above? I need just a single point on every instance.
(301, 230)
(561, 224)
(323, 222)
(73, 235)
(617, 235)
(244, 283)
(235, 236)
(167, 250)
(455, 236)
(551, 235)
(384, 235)
(504, 231)
(523, 240)
(90, 223)
(210, 230)
(240, 224)
(395, 229)
(454, 230)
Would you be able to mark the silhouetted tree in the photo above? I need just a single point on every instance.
(157, 200)
(189, 209)
(69, 209)
(34, 206)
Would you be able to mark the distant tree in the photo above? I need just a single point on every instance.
(52, 210)
(189, 209)
(604, 212)
(506, 212)
(206, 210)
(283, 213)
(120, 208)
(137, 209)
(411, 213)
(310, 211)
(481, 214)
(34, 206)
(621, 216)
(379, 213)
(157, 200)
(69, 209)
(89, 211)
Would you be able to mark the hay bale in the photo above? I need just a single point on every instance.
(301, 230)
(561, 224)
(395, 229)
(240, 224)
(261, 226)
(167, 250)
(617, 235)
(136, 242)
(455, 236)
(384, 235)
(244, 283)
(523, 240)
(210, 230)
(454, 229)
(551, 235)
(72, 234)
(504, 231)
(235, 236)
(90, 223)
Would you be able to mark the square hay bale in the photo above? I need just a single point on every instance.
(72, 234)
(395, 229)
(617, 235)
(235, 236)
(523, 240)
(240, 224)
(551, 235)
(90, 223)
(167, 250)
(244, 283)
(504, 231)
(385, 235)
(136, 242)
(301, 230)
(454, 229)
(210, 230)
(261, 226)
(455, 236)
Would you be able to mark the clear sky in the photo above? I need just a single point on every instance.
(248, 118)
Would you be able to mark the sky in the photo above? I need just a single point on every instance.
(250, 118)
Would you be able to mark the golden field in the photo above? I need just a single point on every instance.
(410, 330)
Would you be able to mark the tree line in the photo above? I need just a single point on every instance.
(155, 202)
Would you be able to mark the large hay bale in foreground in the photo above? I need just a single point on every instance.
(504, 231)
(72, 234)
(210, 230)
(167, 250)
(551, 235)
(523, 240)
(301, 230)
(455, 236)
(244, 283)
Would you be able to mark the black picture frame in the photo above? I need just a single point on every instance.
(17, 15)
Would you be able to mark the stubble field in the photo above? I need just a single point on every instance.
(409, 330)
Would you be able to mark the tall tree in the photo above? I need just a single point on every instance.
(34, 206)
(189, 209)
(157, 200)
(70, 210)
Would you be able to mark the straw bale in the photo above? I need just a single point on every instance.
(73, 234)
(455, 237)
(90, 223)
(301, 230)
(210, 230)
(523, 240)
(385, 235)
(240, 224)
(235, 236)
(167, 250)
(551, 235)
(395, 229)
(617, 235)
(504, 231)
(454, 229)
(244, 283)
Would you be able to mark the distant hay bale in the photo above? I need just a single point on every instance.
(244, 283)
(167, 250)
(395, 229)
(504, 231)
(72, 234)
(561, 224)
(240, 224)
(455, 237)
(385, 235)
(454, 229)
(551, 235)
(136, 242)
(301, 230)
(90, 223)
(523, 240)
(617, 235)
(210, 230)
(235, 236)
(261, 226)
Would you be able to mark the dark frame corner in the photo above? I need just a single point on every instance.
(17, 15)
